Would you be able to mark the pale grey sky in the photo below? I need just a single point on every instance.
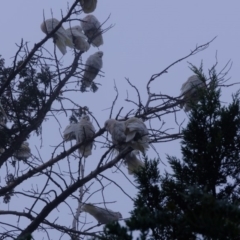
(146, 38)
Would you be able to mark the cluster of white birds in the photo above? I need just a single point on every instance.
(129, 133)
(125, 133)
(132, 132)
(80, 37)
(190, 91)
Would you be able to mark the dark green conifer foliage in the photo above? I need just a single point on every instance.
(200, 198)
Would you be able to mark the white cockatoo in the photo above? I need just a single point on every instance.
(24, 152)
(132, 162)
(190, 91)
(81, 131)
(93, 65)
(92, 29)
(102, 215)
(60, 37)
(137, 134)
(132, 132)
(88, 6)
(78, 38)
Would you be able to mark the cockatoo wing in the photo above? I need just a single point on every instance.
(78, 38)
(132, 162)
(117, 130)
(60, 37)
(61, 45)
(85, 132)
(88, 6)
(70, 132)
(137, 134)
(92, 29)
(118, 133)
(90, 74)
(134, 126)
(100, 214)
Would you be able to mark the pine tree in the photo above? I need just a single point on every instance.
(200, 198)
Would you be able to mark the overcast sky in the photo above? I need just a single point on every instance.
(147, 36)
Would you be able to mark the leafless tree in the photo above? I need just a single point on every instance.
(36, 89)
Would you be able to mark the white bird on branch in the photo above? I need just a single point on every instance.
(102, 215)
(88, 6)
(60, 37)
(92, 29)
(81, 132)
(93, 65)
(132, 132)
(190, 91)
(24, 152)
(78, 38)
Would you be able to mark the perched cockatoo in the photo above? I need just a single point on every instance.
(81, 131)
(132, 132)
(24, 152)
(70, 132)
(137, 134)
(190, 91)
(92, 29)
(132, 162)
(102, 215)
(88, 6)
(93, 65)
(60, 37)
(78, 38)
